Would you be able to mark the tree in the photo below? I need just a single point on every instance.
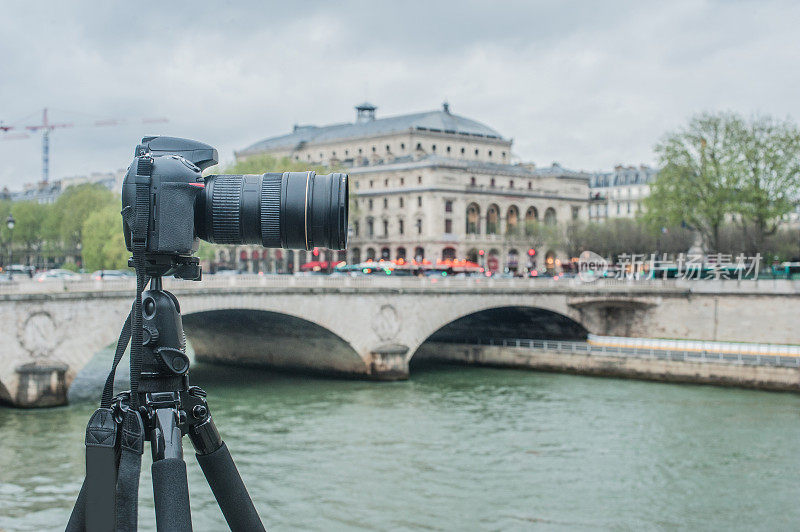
(65, 221)
(767, 176)
(103, 243)
(721, 168)
(696, 184)
(27, 232)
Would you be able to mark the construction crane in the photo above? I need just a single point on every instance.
(46, 127)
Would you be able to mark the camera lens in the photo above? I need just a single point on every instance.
(298, 210)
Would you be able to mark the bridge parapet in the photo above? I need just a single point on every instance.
(378, 322)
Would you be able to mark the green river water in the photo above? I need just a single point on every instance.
(454, 448)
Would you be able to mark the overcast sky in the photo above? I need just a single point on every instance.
(588, 84)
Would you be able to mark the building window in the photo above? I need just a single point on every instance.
(355, 228)
(576, 212)
(550, 216)
(370, 254)
(386, 228)
(531, 218)
(419, 145)
(419, 201)
(512, 220)
(385, 202)
(419, 253)
(471, 181)
(448, 206)
(530, 185)
(402, 181)
(511, 184)
(419, 179)
(386, 182)
(491, 183)
(400, 227)
(476, 151)
(370, 204)
(492, 220)
(419, 227)
(462, 151)
(387, 149)
(490, 153)
(370, 228)
(371, 183)
(448, 254)
(360, 151)
(385, 253)
(401, 253)
(433, 147)
(448, 225)
(401, 203)
(346, 153)
(448, 149)
(333, 154)
(503, 154)
(473, 219)
(374, 149)
(402, 146)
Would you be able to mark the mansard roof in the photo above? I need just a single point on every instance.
(440, 121)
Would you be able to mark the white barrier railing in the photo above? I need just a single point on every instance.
(571, 347)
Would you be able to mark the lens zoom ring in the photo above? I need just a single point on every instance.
(271, 210)
(225, 206)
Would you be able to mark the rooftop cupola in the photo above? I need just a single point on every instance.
(446, 107)
(365, 112)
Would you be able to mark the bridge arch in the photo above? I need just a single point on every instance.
(507, 322)
(267, 338)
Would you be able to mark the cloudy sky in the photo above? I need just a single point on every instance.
(588, 84)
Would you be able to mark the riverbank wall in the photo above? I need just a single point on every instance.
(761, 377)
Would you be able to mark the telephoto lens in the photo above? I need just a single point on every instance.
(296, 210)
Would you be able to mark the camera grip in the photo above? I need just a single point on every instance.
(175, 217)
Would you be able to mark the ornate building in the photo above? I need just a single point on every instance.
(619, 194)
(434, 186)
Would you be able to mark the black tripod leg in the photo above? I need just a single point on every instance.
(218, 467)
(77, 519)
(229, 490)
(170, 485)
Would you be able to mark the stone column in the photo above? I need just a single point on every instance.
(41, 384)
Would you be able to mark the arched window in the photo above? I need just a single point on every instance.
(370, 253)
(448, 253)
(550, 216)
(419, 253)
(473, 219)
(492, 220)
(512, 220)
(472, 255)
(401, 253)
(531, 218)
(385, 253)
(355, 253)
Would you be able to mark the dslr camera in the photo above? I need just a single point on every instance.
(296, 210)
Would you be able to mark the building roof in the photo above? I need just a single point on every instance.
(437, 161)
(440, 121)
(624, 175)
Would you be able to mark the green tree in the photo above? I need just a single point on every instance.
(767, 176)
(64, 224)
(27, 234)
(103, 244)
(696, 184)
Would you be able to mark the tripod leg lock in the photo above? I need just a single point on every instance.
(200, 427)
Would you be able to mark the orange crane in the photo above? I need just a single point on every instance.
(46, 127)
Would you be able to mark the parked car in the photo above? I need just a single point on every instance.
(57, 275)
(112, 275)
(19, 270)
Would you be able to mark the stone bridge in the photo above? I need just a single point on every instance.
(369, 326)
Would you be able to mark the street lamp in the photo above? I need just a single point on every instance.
(10, 222)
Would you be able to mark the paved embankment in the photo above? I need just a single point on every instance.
(655, 366)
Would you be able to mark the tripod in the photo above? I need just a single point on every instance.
(164, 409)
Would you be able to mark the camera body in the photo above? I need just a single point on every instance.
(171, 168)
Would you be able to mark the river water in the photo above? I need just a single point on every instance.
(454, 448)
